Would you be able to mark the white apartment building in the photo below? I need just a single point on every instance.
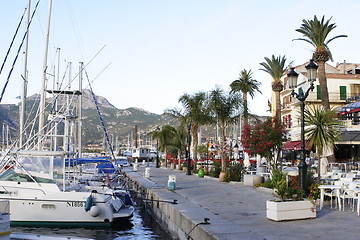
(344, 92)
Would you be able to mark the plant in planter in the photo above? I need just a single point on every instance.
(289, 203)
(234, 172)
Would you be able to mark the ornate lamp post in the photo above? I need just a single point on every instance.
(301, 96)
(157, 150)
(188, 164)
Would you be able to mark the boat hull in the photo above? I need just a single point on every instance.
(31, 205)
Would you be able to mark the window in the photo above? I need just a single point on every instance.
(318, 92)
(354, 90)
(342, 92)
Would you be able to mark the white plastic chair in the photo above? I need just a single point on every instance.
(349, 194)
(333, 194)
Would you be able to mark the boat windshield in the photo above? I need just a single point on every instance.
(42, 165)
(11, 175)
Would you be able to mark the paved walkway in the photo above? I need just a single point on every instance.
(237, 211)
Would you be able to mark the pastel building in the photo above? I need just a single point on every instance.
(344, 93)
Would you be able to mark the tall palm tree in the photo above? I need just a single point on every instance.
(165, 136)
(194, 113)
(322, 129)
(246, 85)
(224, 110)
(316, 32)
(276, 68)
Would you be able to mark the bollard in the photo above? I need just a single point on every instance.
(147, 172)
(143, 163)
(135, 167)
(172, 182)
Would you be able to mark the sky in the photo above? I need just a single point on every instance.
(147, 53)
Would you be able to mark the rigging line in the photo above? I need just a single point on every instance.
(99, 74)
(75, 77)
(12, 41)
(76, 30)
(101, 119)
(17, 54)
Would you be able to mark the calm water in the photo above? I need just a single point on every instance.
(141, 226)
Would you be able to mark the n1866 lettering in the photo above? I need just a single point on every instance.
(75, 204)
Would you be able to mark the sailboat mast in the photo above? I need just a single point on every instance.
(25, 79)
(80, 111)
(43, 93)
(55, 147)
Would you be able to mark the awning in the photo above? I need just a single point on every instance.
(349, 108)
(295, 145)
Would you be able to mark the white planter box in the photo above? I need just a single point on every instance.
(251, 180)
(290, 210)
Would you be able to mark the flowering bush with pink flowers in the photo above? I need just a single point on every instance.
(265, 138)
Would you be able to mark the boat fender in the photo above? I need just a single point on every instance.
(89, 203)
(95, 211)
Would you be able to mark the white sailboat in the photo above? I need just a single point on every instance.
(30, 172)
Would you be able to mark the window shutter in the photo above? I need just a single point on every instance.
(318, 92)
(342, 92)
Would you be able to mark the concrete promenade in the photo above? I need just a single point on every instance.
(237, 211)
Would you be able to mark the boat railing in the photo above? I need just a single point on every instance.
(6, 191)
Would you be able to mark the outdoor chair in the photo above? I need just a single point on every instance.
(349, 194)
(332, 194)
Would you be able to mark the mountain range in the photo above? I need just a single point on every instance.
(119, 123)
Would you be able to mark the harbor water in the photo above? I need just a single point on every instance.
(141, 226)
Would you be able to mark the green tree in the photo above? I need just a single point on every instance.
(179, 141)
(195, 113)
(165, 136)
(245, 85)
(316, 32)
(276, 68)
(265, 139)
(322, 129)
(224, 109)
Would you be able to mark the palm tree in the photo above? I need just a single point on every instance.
(223, 107)
(179, 141)
(315, 32)
(276, 68)
(323, 129)
(194, 113)
(246, 85)
(165, 136)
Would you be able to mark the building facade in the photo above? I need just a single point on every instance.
(344, 89)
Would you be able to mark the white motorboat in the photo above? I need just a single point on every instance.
(35, 163)
(37, 200)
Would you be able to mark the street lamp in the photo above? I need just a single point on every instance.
(188, 164)
(301, 96)
(157, 149)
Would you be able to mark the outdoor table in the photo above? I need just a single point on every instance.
(330, 180)
(332, 187)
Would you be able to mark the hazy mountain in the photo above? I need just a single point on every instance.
(119, 123)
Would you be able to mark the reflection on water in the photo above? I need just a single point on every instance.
(140, 227)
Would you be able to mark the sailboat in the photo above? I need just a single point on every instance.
(32, 170)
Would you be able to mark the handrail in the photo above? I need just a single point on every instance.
(6, 191)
